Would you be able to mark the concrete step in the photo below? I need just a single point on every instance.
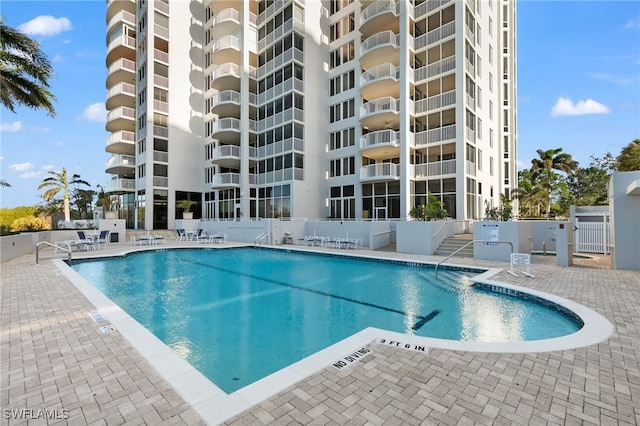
(451, 244)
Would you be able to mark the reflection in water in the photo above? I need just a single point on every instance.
(486, 318)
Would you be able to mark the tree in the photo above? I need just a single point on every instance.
(24, 72)
(551, 159)
(589, 186)
(629, 158)
(4, 183)
(59, 181)
(434, 209)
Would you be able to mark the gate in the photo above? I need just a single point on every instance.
(592, 237)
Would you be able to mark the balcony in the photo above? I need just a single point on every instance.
(160, 81)
(380, 81)
(226, 49)
(161, 56)
(225, 180)
(115, 6)
(437, 135)
(227, 130)
(428, 6)
(122, 70)
(226, 77)
(435, 35)
(380, 171)
(381, 144)
(226, 103)
(160, 31)
(120, 164)
(121, 118)
(121, 142)
(120, 185)
(435, 102)
(436, 168)
(122, 94)
(123, 46)
(382, 15)
(428, 71)
(227, 21)
(382, 113)
(383, 47)
(122, 17)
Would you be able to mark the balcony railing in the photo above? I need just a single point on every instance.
(381, 137)
(122, 64)
(161, 131)
(120, 184)
(428, 6)
(470, 168)
(227, 42)
(162, 6)
(380, 39)
(380, 72)
(378, 8)
(121, 112)
(122, 89)
(232, 96)
(161, 106)
(436, 168)
(286, 145)
(121, 160)
(435, 135)
(380, 171)
(122, 16)
(161, 156)
(228, 69)
(161, 56)
(435, 102)
(232, 124)
(380, 105)
(431, 70)
(228, 14)
(160, 81)
(123, 40)
(226, 151)
(121, 136)
(435, 35)
(226, 179)
(161, 31)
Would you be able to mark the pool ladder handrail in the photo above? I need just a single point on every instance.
(258, 241)
(68, 251)
(465, 246)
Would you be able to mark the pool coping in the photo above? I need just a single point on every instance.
(216, 406)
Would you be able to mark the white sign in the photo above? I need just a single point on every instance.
(490, 234)
(521, 259)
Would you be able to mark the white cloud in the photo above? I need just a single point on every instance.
(39, 129)
(565, 106)
(95, 112)
(633, 24)
(31, 175)
(46, 167)
(21, 167)
(16, 126)
(58, 59)
(46, 25)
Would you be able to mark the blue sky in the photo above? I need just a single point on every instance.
(578, 87)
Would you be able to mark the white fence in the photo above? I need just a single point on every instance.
(592, 237)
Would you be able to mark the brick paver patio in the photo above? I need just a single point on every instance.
(55, 359)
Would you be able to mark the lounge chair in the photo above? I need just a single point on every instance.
(82, 241)
(181, 235)
(103, 238)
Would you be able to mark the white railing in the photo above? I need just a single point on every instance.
(379, 72)
(160, 106)
(278, 61)
(120, 160)
(161, 181)
(226, 151)
(435, 102)
(122, 64)
(378, 8)
(470, 68)
(435, 135)
(161, 81)
(470, 101)
(280, 89)
(121, 136)
(226, 124)
(228, 69)
(286, 145)
(122, 89)
(428, 6)
(435, 35)
(161, 56)
(161, 6)
(228, 14)
(123, 40)
(227, 42)
(122, 16)
(470, 134)
(121, 112)
(380, 39)
(226, 179)
(379, 138)
(380, 105)
(436, 168)
(380, 170)
(120, 184)
(161, 31)
(470, 168)
(431, 70)
(227, 96)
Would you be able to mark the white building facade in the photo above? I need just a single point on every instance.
(348, 109)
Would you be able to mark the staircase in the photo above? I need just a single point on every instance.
(451, 244)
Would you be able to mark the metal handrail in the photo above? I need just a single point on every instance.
(471, 242)
(259, 238)
(68, 251)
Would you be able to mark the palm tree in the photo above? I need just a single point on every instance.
(4, 183)
(24, 72)
(59, 181)
(629, 158)
(551, 159)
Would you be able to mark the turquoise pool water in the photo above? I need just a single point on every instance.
(238, 315)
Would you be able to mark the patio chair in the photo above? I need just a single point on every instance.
(181, 235)
(103, 238)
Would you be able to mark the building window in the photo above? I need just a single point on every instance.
(343, 202)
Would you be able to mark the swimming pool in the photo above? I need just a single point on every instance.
(238, 315)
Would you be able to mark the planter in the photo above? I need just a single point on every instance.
(187, 215)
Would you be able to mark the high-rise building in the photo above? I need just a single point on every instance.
(347, 109)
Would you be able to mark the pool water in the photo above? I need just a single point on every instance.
(238, 315)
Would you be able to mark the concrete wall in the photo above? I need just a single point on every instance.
(624, 191)
(425, 237)
(516, 233)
